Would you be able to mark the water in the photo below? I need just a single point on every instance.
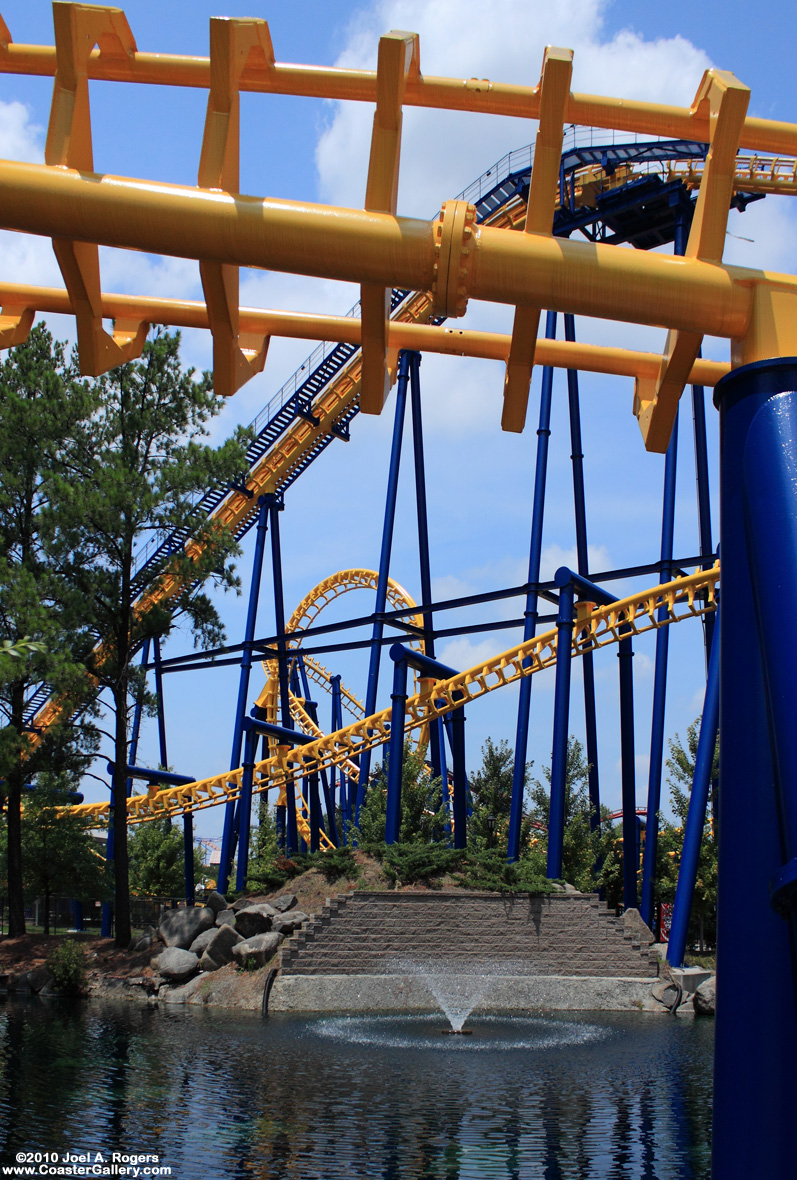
(454, 985)
(219, 1095)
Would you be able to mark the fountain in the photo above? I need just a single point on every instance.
(458, 986)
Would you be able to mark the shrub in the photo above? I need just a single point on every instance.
(67, 965)
(406, 864)
(337, 863)
(489, 870)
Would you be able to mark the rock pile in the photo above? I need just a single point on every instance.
(208, 937)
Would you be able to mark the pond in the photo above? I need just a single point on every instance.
(219, 1095)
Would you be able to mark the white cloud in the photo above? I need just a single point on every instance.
(464, 653)
(444, 150)
(554, 556)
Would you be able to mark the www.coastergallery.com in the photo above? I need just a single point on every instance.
(88, 1164)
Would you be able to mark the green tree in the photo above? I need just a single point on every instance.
(681, 770)
(42, 632)
(423, 812)
(582, 847)
(137, 471)
(491, 795)
(157, 860)
(59, 856)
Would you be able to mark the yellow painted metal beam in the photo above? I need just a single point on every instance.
(233, 43)
(462, 94)
(353, 244)
(557, 69)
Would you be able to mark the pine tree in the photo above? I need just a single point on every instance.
(59, 856)
(42, 632)
(491, 796)
(157, 860)
(137, 471)
(582, 848)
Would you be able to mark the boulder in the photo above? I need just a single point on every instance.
(260, 948)
(667, 993)
(285, 902)
(287, 923)
(142, 941)
(200, 943)
(180, 927)
(36, 979)
(225, 917)
(705, 998)
(255, 919)
(216, 902)
(219, 949)
(634, 925)
(244, 903)
(176, 965)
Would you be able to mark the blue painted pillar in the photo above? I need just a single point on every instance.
(582, 551)
(659, 688)
(395, 763)
(248, 768)
(275, 506)
(756, 1044)
(228, 839)
(188, 819)
(561, 714)
(459, 809)
(336, 724)
(384, 568)
(696, 815)
(423, 539)
(106, 923)
(625, 655)
(530, 624)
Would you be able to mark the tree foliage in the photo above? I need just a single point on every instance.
(423, 811)
(59, 856)
(134, 470)
(491, 796)
(43, 635)
(157, 860)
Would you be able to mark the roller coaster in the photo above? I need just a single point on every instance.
(538, 231)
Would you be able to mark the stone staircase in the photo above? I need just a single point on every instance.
(375, 933)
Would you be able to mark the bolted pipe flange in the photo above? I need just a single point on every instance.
(453, 257)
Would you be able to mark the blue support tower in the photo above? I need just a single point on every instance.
(756, 1045)
(582, 551)
(275, 506)
(696, 815)
(384, 568)
(530, 614)
(229, 833)
(659, 688)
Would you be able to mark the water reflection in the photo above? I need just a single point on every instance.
(230, 1095)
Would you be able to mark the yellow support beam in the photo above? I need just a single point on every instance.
(557, 69)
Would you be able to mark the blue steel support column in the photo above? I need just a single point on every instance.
(337, 723)
(703, 497)
(106, 921)
(659, 688)
(530, 624)
(423, 537)
(248, 764)
(188, 819)
(561, 713)
(384, 568)
(696, 815)
(228, 835)
(459, 810)
(582, 551)
(756, 1047)
(275, 507)
(625, 655)
(395, 763)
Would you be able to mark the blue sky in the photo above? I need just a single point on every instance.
(480, 480)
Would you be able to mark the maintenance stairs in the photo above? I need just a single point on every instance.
(375, 933)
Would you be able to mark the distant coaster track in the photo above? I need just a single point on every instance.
(688, 597)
